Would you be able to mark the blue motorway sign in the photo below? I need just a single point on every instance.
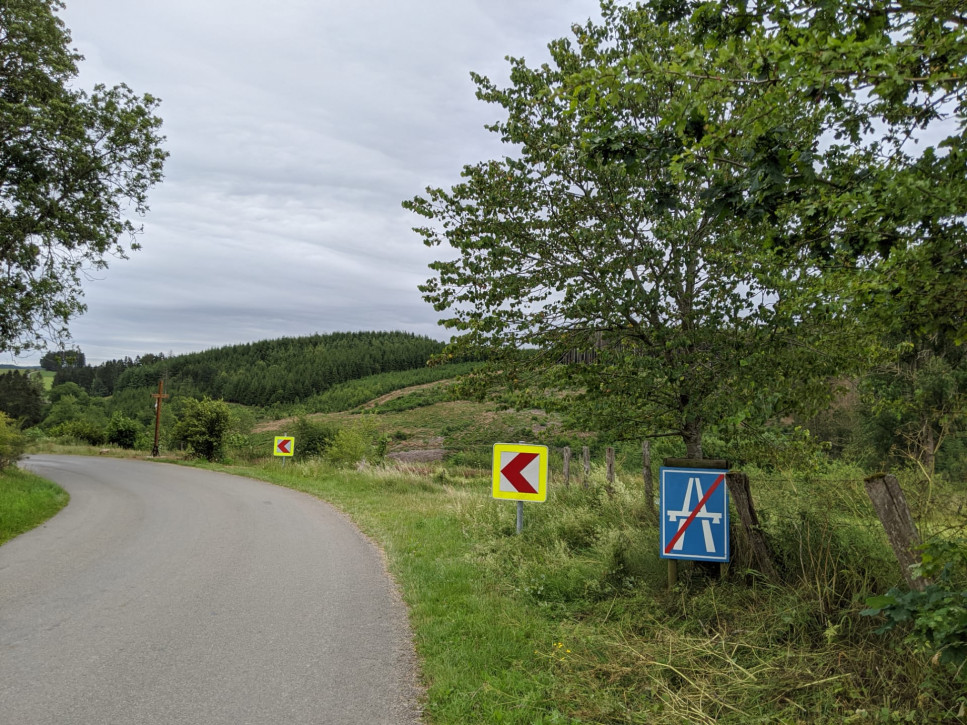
(694, 505)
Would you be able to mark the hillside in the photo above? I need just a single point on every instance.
(268, 372)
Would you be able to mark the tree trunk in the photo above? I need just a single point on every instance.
(692, 435)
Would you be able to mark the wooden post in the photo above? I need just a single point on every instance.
(891, 508)
(609, 462)
(646, 475)
(586, 459)
(738, 484)
(158, 397)
(567, 465)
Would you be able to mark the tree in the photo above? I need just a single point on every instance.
(202, 426)
(71, 166)
(663, 298)
(22, 397)
(879, 204)
(56, 361)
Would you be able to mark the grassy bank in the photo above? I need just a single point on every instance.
(572, 623)
(26, 501)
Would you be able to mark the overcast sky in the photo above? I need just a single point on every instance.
(296, 128)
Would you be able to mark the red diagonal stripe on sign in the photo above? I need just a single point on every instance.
(512, 472)
(284, 445)
(691, 516)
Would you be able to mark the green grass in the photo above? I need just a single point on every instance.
(572, 623)
(26, 501)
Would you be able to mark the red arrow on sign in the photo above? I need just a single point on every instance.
(513, 472)
(284, 445)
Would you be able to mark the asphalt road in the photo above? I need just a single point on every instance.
(165, 594)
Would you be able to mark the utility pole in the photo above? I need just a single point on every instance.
(158, 397)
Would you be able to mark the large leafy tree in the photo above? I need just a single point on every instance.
(74, 168)
(593, 243)
(880, 203)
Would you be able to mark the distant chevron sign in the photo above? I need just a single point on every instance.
(520, 472)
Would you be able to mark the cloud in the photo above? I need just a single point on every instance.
(295, 129)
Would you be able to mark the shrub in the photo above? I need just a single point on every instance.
(203, 427)
(312, 438)
(80, 430)
(12, 442)
(123, 432)
(361, 442)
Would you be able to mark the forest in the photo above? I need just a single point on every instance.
(111, 402)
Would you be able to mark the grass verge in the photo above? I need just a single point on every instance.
(571, 622)
(26, 501)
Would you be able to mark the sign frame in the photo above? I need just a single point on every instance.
(532, 469)
(697, 499)
(277, 451)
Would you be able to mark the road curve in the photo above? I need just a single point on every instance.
(164, 594)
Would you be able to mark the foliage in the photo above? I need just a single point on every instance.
(54, 361)
(662, 300)
(936, 617)
(313, 437)
(71, 165)
(916, 399)
(359, 443)
(80, 430)
(123, 432)
(877, 195)
(571, 622)
(12, 442)
(202, 426)
(354, 393)
(22, 397)
(283, 371)
(26, 500)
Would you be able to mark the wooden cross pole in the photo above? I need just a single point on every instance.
(158, 397)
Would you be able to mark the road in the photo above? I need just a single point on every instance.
(165, 594)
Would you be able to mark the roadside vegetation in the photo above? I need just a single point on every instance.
(26, 501)
(572, 622)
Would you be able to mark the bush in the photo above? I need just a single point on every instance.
(80, 430)
(12, 442)
(123, 432)
(312, 438)
(361, 442)
(203, 427)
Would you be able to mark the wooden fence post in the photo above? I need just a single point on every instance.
(646, 475)
(741, 494)
(567, 465)
(586, 459)
(891, 508)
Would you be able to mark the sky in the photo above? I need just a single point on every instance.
(295, 130)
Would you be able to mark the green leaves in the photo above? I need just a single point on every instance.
(71, 166)
(618, 233)
(937, 616)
